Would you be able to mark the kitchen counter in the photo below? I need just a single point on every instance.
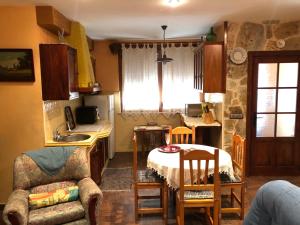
(100, 129)
(206, 133)
(198, 122)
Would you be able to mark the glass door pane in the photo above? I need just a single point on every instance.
(267, 75)
(265, 125)
(288, 74)
(287, 100)
(266, 99)
(286, 125)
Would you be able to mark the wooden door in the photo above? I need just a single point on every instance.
(273, 120)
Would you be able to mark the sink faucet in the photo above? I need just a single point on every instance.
(57, 134)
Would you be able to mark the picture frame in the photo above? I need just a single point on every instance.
(16, 65)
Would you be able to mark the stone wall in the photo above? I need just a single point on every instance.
(252, 37)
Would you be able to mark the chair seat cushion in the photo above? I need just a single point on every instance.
(198, 195)
(227, 179)
(148, 176)
(224, 178)
(57, 214)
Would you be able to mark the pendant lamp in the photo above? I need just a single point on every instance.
(164, 59)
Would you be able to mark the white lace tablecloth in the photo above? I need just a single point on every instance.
(167, 164)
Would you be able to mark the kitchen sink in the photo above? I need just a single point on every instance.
(72, 137)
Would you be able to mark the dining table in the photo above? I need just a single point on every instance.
(166, 163)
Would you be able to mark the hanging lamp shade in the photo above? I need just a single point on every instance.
(164, 59)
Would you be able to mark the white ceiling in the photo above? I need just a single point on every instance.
(142, 19)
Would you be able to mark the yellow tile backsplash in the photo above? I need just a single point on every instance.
(54, 115)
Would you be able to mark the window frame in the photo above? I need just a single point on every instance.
(179, 43)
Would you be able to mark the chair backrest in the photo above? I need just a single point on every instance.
(238, 154)
(27, 174)
(197, 160)
(181, 135)
(135, 157)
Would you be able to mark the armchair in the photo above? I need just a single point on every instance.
(30, 179)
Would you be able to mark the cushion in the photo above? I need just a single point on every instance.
(52, 198)
(224, 178)
(148, 176)
(52, 186)
(198, 195)
(57, 214)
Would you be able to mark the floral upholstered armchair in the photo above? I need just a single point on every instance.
(30, 180)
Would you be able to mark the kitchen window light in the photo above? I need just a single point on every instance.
(143, 90)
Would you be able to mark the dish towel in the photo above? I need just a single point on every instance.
(51, 159)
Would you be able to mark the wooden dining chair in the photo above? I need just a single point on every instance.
(198, 193)
(238, 163)
(182, 135)
(148, 179)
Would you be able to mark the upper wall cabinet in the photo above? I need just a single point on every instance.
(52, 20)
(59, 72)
(209, 73)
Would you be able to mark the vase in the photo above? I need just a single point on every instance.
(211, 36)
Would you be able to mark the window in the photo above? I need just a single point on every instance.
(178, 79)
(141, 80)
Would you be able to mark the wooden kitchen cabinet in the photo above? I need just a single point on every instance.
(98, 159)
(59, 72)
(95, 157)
(209, 68)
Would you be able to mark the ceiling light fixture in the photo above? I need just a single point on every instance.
(173, 3)
(164, 59)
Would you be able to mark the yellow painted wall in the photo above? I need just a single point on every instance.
(21, 114)
(107, 73)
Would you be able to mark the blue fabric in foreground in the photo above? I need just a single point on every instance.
(276, 203)
(51, 159)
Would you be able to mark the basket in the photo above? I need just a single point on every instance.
(207, 117)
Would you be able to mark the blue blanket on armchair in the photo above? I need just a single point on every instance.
(51, 159)
(276, 203)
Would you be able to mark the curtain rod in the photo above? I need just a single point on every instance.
(161, 41)
(115, 47)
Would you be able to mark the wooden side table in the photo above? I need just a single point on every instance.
(144, 130)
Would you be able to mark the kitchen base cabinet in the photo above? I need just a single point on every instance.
(98, 159)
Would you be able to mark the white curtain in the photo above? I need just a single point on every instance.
(178, 79)
(140, 81)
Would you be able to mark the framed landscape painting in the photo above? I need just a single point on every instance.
(16, 65)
